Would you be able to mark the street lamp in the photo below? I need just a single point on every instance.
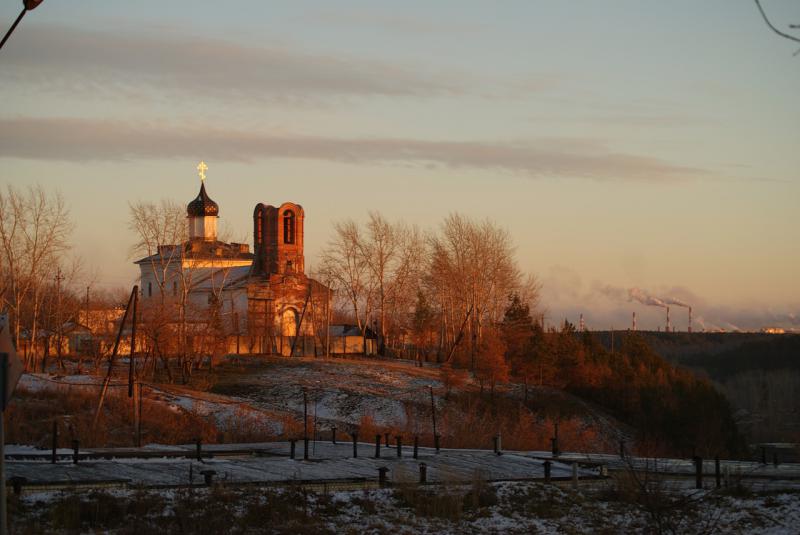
(27, 5)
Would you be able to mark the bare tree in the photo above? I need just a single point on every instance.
(343, 264)
(34, 232)
(472, 271)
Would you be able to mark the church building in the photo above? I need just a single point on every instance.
(260, 302)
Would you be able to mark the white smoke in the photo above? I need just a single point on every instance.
(677, 302)
(635, 294)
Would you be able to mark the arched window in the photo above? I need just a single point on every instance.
(288, 226)
(289, 322)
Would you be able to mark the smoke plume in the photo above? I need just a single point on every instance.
(635, 294)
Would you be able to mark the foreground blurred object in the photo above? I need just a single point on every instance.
(10, 371)
(27, 5)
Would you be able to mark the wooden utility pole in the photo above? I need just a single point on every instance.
(131, 360)
(59, 325)
(300, 324)
(113, 355)
(433, 413)
(328, 324)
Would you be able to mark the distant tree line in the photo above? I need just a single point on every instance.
(672, 410)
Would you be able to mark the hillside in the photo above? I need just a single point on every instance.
(758, 373)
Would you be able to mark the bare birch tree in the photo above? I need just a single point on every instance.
(34, 232)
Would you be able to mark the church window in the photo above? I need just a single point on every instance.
(289, 322)
(288, 226)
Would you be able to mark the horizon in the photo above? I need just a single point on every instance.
(621, 148)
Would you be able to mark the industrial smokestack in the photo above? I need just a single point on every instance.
(633, 327)
(673, 301)
(667, 329)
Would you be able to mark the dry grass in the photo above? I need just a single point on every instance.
(30, 416)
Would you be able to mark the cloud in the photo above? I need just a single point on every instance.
(73, 139)
(60, 58)
(371, 19)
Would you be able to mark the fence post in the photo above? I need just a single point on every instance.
(55, 442)
(436, 442)
(292, 445)
(416, 446)
(305, 448)
(333, 434)
(199, 445)
(75, 447)
(698, 472)
(377, 446)
(399, 440)
(355, 445)
(382, 475)
(547, 466)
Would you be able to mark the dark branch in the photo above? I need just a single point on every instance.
(773, 28)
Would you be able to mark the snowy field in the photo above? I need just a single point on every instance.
(477, 507)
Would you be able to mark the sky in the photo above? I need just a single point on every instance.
(624, 144)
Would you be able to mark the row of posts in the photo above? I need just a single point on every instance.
(378, 439)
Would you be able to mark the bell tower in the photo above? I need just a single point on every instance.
(278, 239)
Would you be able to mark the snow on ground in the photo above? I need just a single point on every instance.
(480, 507)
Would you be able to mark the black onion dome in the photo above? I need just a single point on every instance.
(202, 205)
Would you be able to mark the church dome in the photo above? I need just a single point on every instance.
(202, 205)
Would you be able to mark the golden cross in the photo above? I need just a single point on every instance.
(202, 168)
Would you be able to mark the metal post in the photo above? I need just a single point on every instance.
(292, 444)
(717, 474)
(75, 448)
(355, 445)
(377, 446)
(416, 446)
(305, 448)
(436, 442)
(698, 472)
(55, 442)
(399, 446)
(199, 445)
(333, 434)
(547, 468)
